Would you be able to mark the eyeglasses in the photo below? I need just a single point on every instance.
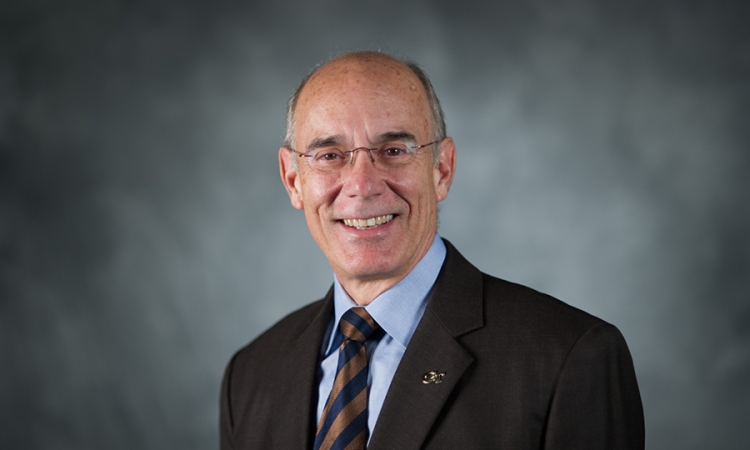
(388, 156)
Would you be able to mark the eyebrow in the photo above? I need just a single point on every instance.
(325, 141)
(397, 136)
(331, 141)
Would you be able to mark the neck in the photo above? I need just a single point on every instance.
(364, 292)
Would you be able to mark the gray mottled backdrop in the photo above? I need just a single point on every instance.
(145, 235)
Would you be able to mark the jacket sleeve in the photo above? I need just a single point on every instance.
(597, 404)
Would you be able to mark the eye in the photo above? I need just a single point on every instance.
(394, 151)
(329, 155)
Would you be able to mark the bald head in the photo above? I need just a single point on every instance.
(370, 66)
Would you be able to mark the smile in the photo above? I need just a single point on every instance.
(364, 224)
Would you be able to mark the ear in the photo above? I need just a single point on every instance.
(290, 177)
(443, 172)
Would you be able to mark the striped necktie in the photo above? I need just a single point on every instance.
(343, 424)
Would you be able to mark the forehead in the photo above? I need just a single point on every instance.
(363, 95)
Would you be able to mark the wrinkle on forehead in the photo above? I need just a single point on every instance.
(338, 140)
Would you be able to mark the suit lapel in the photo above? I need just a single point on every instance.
(411, 406)
(298, 382)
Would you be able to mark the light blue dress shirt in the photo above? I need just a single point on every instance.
(398, 311)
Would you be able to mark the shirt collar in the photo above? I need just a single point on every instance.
(398, 309)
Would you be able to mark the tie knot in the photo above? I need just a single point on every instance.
(357, 324)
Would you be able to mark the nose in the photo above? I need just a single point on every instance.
(353, 154)
(361, 177)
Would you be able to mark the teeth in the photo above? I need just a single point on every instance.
(372, 222)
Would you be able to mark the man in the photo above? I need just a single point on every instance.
(412, 347)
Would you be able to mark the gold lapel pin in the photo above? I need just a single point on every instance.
(433, 377)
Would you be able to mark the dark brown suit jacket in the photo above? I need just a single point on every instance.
(522, 371)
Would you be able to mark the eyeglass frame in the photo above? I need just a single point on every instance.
(414, 147)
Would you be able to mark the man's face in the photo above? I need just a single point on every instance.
(355, 104)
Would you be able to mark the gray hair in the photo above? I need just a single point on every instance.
(438, 119)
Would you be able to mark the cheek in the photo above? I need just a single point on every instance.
(417, 189)
(318, 191)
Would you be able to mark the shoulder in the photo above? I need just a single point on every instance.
(513, 315)
(533, 310)
(505, 304)
(262, 363)
(536, 327)
(279, 336)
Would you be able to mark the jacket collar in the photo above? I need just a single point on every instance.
(411, 406)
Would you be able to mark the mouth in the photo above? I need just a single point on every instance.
(366, 224)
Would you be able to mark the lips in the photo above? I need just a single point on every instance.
(365, 224)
